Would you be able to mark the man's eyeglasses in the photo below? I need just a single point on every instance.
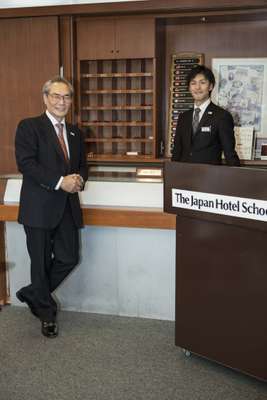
(57, 97)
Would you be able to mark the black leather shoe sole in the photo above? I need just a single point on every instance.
(23, 299)
(49, 329)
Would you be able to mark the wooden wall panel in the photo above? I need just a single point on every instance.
(68, 56)
(29, 49)
(66, 47)
(222, 39)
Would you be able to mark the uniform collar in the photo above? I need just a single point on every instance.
(203, 106)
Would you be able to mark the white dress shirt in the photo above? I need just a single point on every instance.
(55, 122)
(202, 107)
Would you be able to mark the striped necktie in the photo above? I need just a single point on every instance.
(62, 141)
(195, 122)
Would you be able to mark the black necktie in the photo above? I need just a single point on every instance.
(195, 120)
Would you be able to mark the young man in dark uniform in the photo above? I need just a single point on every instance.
(202, 134)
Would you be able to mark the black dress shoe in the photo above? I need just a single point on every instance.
(24, 299)
(49, 329)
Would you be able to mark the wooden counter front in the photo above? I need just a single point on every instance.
(130, 217)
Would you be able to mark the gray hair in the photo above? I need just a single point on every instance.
(57, 79)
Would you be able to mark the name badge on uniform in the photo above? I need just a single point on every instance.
(205, 129)
(72, 133)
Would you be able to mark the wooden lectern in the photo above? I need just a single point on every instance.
(221, 268)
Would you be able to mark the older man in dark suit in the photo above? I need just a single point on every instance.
(202, 134)
(50, 155)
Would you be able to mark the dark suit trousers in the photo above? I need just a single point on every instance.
(53, 253)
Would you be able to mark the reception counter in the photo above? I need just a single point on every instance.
(127, 262)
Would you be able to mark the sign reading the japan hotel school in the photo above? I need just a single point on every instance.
(220, 204)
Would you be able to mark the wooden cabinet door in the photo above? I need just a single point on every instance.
(108, 38)
(135, 37)
(95, 38)
(29, 49)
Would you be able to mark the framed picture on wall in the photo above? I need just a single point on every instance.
(241, 88)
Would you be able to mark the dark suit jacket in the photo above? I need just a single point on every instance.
(215, 134)
(41, 161)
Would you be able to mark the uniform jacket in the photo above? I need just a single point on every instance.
(215, 134)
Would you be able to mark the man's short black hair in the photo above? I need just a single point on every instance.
(201, 69)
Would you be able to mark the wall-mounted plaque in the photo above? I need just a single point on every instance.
(180, 98)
